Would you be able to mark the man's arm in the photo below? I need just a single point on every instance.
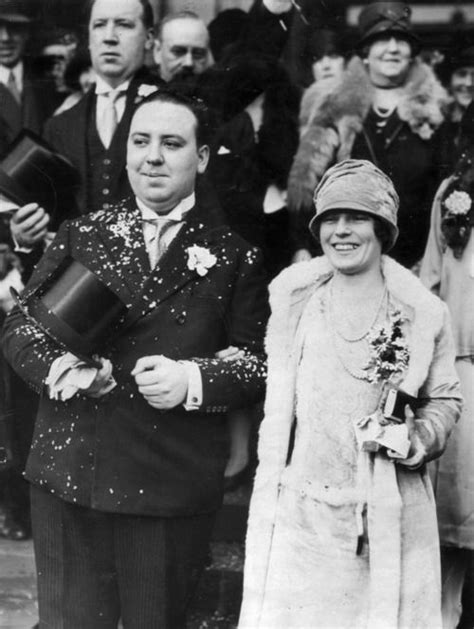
(224, 383)
(29, 351)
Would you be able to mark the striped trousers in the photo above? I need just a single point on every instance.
(95, 568)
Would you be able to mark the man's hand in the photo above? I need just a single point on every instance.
(102, 381)
(28, 225)
(162, 382)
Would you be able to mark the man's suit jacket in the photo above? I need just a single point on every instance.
(38, 102)
(67, 134)
(117, 453)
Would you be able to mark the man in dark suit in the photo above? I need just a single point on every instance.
(25, 100)
(93, 133)
(126, 474)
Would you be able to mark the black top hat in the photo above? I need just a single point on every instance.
(17, 11)
(75, 308)
(31, 172)
(380, 18)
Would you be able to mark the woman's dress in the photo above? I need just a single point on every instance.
(315, 577)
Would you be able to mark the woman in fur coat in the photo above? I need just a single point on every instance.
(385, 109)
(448, 270)
(342, 525)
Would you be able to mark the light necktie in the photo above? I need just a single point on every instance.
(13, 87)
(157, 244)
(109, 119)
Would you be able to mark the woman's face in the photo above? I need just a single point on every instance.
(462, 86)
(329, 66)
(389, 60)
(348, 240)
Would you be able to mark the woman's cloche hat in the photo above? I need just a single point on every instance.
(74, 308)
(357, 185)
(382, 18)
(32, 172)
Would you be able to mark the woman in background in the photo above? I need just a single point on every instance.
(448, 270)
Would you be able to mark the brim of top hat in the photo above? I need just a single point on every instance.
(387, 27)
(37, 313)
(17, 18)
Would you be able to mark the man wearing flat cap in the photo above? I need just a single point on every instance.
(25, 102)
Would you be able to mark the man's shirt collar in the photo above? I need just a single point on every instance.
(102, 87)
(177, 214)
(18, 72)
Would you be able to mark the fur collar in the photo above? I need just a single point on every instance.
(333, 114)
(421, 106)
(294, 286)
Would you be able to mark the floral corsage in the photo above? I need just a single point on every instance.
(200, 259)
(388, 362)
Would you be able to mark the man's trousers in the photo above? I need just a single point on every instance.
(95, 568)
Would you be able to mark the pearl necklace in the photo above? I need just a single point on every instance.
(338, 337)
(371, 324)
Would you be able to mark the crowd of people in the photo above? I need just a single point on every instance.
(228, 231)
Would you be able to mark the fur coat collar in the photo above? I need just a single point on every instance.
(332, 114)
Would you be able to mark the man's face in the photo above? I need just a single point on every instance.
(13, 38)
(163, 158)
(183, 49)
(117, 39)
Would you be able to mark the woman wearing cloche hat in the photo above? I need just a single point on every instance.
(385, 108)
(361, 392)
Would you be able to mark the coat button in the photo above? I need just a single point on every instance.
(105, 191)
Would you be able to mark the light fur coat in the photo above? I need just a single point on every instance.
(431, 371)
(332, 115)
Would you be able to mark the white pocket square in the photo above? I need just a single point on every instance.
(223, 150)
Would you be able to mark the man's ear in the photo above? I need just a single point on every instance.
(203, 155)
(149, 39)
(157, 52)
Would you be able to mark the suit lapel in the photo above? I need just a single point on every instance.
(121, 236)
(172, 272)
(10, 111)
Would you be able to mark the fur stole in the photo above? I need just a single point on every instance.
(333, 114)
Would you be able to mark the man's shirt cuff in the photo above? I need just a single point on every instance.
(194, 398)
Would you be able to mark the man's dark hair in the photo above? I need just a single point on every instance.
(147, 12)
(204, 118)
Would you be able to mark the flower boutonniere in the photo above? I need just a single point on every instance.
(144, 91)
(458, 203)
(388, 349)
(200, 259)
(456, 221)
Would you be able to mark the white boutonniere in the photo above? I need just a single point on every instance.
(200, 259)
(458, 203)
(145, 90)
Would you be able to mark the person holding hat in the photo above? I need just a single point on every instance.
(26, 101)
(92, 135)
(448, 270)
(361, 393)
(386, 108)
(125, 464)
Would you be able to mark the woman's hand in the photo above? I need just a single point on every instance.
(417, 453)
